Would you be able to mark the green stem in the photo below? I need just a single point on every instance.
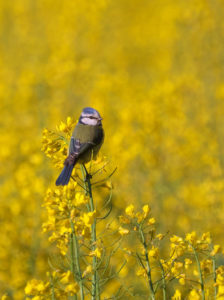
(85, 183)
(163, 281)
(75, 243)
(95, 280)
(214, 274)
(152, 296)
(52, 288)
(84, 177)
(200, 273)
(72, 256)
(93, 238)
(72, 260)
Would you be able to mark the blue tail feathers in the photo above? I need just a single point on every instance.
(65, 175)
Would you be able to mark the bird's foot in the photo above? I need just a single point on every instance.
(88, 177)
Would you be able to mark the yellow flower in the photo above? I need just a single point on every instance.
(66, 277)
(140, 217)
(72, 288)
(146, 210)
(54, 237)
(177, 295)
(87, 271)
(166, 267)
(66, 127)
(220, 279)
(206, 266)
(130, 211)
(160, 236)
(191, 237)
(65, 227)
(141, 272)
(88, 218)
(220, 283)
(187, 262)
(123, 231)
(154, 252)
(176, 268)
(29, 287)
(97, 252)
(206, 237)
(41, 286)
(151, 221)
(182, 279)
(216, 249)
(80, 199)
(62, 126)
(35, 286)
(50, 224)
(177, 250)
(195, 272)
(220, 295)
(220, 270)
(176, 239)
(194, 295)
(57, 192)
(38, 298)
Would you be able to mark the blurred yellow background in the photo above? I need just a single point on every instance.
(154, 70)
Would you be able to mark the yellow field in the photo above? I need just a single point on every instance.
(154, 70)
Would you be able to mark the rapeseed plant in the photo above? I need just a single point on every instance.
(155, 71)
(86, 268)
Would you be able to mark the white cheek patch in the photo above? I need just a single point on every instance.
(89, 121)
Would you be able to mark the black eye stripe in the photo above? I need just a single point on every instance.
(89, 117)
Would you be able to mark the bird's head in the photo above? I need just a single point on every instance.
(90, 116)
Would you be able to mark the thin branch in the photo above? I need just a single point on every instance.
(105, 179)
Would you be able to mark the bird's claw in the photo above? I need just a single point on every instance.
(88, 177)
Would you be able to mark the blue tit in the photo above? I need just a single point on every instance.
(85, 143)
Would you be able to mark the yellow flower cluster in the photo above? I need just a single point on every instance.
(192, 260)
(220, 282)
(60, 286)
(37, 288)
(55, 144)
(136, 218)
(64, 207)
(70, 223)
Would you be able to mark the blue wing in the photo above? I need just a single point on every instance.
(75, 150)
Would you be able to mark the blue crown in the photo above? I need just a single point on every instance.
(89, 110)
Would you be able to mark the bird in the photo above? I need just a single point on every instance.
(86, 141)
